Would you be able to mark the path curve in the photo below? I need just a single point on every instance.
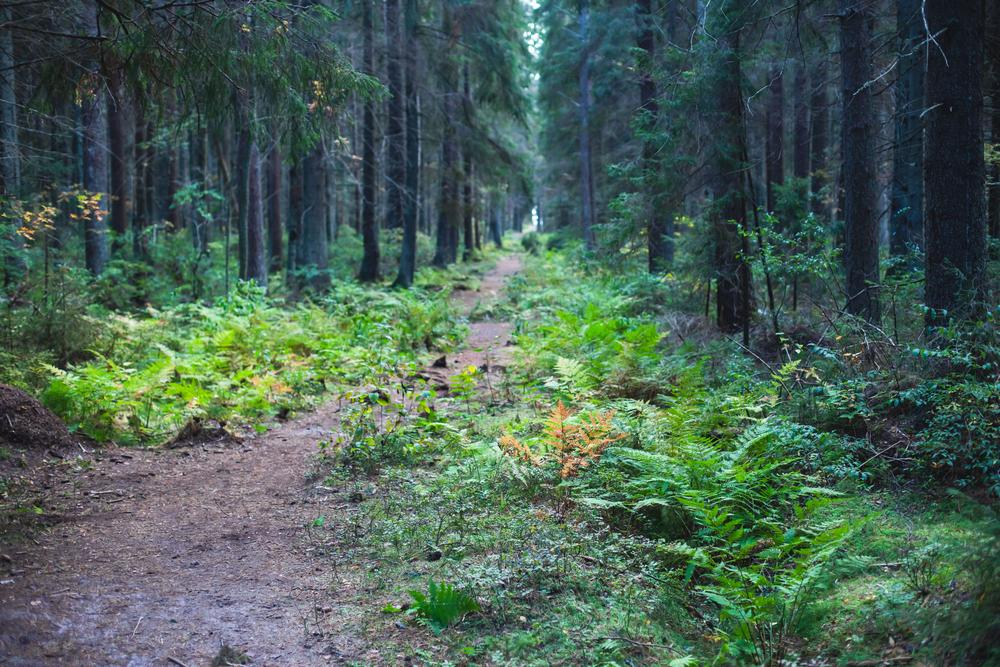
(168, 554)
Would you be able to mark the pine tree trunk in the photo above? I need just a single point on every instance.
(819, 122)
(586, 169)
(774, 138)
(275, 224)
(728, 210)
(447, 226)
(14, 262)
(411, 203)
(95, 177)
(116, 141)
(369, 227)
(659, 223)
(315, 241)
(800, 159)
(467, 204)
(294, 222)
(993, 57)
(860, 216)
(906, 219)
(256, 240)
(955, 278)
(242, 192)
(395, 136)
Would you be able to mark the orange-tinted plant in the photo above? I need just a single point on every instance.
(516, 449)
(578, 445)
(574, 445)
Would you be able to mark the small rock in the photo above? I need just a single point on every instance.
(440, 362)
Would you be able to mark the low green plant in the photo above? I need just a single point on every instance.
(442, 605)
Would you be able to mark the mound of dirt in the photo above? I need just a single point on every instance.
(27, 424)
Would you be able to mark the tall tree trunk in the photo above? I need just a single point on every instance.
(955, 278)
(993, 57)
(800, 159)
(275, 226)
(116, 141)
(14, 262)
(728, 211)
(369, 226)
(10, 160)
(906, 221)
(295, 188)
(774, 137)
(860, 216)
(95, 175)
(395, 136)
(411, 203)
(256, 240)
(315, 241)
(145, 194)
(496, 226)
(586, 169)
(447, 228)
(467, 203)
(659, 223)
(242, 191)
(819, 122)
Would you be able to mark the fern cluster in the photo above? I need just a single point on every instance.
(242, 360)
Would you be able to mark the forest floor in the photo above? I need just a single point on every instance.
(164, 556)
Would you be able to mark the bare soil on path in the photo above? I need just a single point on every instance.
(160, 557)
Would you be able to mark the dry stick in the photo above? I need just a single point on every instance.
(136, 628)
(177, 662)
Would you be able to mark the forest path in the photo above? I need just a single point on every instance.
(163, 556)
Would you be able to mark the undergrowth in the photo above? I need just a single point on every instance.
(643, 492)
(243, 360)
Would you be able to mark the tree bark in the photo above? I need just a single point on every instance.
(586, 169)
(447, 227)
(993, 57)
(411, 203)
(395, 136)
(369, 227)
(315, 240)
(95, 178)
(294, 222)
(256, 241)
(94, 122)
(819, 122)
(774, 137)
(800, 158)
(116, 141)
(14, 263)
(275, 224)
(860, 216)
(659, 223)
(906, 219)
(955, 278)
(467, 203)
(728, 210)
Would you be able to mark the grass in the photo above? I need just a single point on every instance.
(602, 565)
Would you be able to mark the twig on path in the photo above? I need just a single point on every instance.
(174, 660)
(136, 628)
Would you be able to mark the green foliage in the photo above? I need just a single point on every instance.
(245, 359)
(375, 430)
(442, 605)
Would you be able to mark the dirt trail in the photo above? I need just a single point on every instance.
(486, 346)
(170, 553)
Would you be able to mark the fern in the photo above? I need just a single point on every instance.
(442, 605)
